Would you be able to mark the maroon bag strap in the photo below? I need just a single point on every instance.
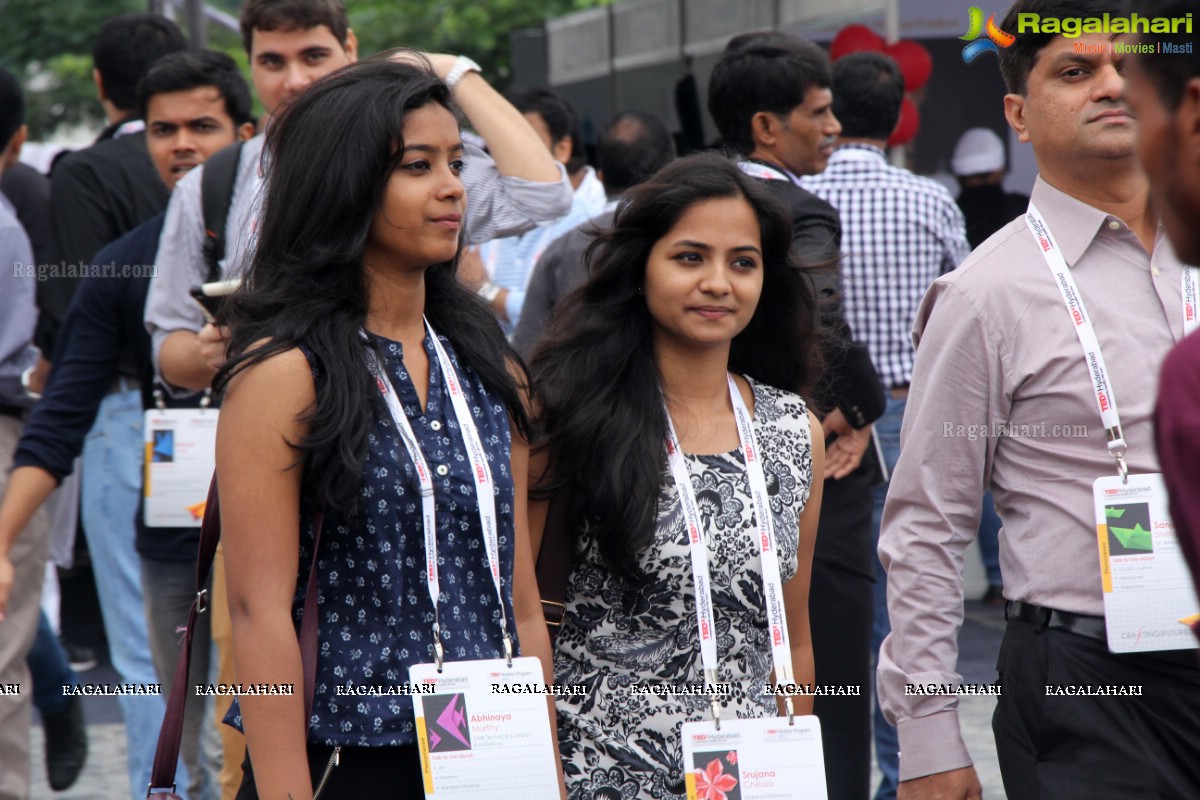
(166, 755)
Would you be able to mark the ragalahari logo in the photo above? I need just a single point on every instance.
(996, 38)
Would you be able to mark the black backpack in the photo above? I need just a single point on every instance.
(216, 195)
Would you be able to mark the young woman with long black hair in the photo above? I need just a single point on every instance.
(693, 315)
(336, 382)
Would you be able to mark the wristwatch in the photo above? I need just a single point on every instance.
(461, 67)
(488, 291)
(25, 378)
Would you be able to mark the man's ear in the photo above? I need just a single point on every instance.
(351, 45)
(12, 151)
(764, 128)
(244, 131)
(98, 79)
(1014, 112)
(562, 149)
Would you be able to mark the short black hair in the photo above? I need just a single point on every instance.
(558, 114)
(192, 69)
(126, 47)
(1169, 71)
(868, 89)
(1017, 60)
(290, 15)
(12, 107)
(764, 71)
(633, 147)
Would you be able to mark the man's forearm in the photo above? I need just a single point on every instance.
(512, 142)
(28, 488)
(181, 363)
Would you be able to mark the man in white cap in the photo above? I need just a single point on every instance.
(978, 165)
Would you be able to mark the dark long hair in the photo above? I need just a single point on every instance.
(333, 151)
(597, 389)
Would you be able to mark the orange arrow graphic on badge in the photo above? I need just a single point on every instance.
(1191, 621)
(197, 510)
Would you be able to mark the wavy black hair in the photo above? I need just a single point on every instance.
(597, 389)
(332, 153)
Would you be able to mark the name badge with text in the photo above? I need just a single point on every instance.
(180, 457)
(1149, 599)
(477, 740)
(755, 759)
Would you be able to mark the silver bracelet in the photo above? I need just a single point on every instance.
(461, 67)
(488, 291)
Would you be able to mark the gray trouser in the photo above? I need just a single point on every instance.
(169, 591)
(17, 632)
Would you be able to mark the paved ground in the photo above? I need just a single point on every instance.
(105, 777)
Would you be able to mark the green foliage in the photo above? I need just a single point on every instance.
(48, 44)
(472, 27)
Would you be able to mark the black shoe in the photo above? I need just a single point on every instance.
(81, 659)
(66, 745)
(994, 596)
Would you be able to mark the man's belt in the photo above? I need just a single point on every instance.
(1078, 624)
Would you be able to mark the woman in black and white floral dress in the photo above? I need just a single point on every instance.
(692, 284)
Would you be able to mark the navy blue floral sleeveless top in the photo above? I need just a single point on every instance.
(376, 619)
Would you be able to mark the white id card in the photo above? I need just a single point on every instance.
(477, 741)
(180, 458)
(755, 759)
(1149, 599)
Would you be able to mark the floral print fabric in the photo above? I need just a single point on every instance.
(376, 618)
(627, 643)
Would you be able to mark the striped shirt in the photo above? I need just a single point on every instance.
(899, 233)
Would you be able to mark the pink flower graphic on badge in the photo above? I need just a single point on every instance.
(713, 782)
(731, 756)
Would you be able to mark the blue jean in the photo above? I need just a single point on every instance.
(989, 541)
(887, 746)
(50, 670)
(112, 478)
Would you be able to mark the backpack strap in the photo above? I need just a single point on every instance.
(216, 196)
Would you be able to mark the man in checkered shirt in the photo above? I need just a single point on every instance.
(899, 233)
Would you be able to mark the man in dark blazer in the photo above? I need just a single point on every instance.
(769, 96)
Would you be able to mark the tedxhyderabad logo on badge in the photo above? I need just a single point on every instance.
(996, 38)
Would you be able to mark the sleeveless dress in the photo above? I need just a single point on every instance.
(376, 617)
(623, 744)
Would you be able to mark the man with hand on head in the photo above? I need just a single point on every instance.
(194, 103)
(292, 43)
(997, 344)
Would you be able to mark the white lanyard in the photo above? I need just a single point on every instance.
(781, 654)
(1101, 386)
(480, 471)
(128, 127)
(1191, 302)
(767, 173)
